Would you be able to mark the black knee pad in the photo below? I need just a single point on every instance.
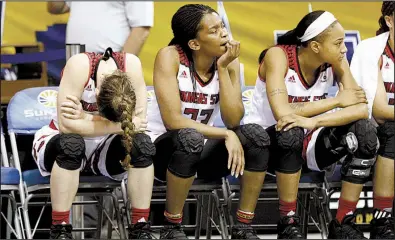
(357, 170)
(256, 142)
(366, 134)
(71, 150)
(291, 139)
(290, 147)
(189, 146)
(386, 133)
(143, 151)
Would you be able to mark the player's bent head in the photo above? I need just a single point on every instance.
(320, 32)
(116, 98)
(198, 27)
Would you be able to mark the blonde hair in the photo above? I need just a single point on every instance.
(117, 102)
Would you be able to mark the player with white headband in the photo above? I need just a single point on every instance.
(308, 129)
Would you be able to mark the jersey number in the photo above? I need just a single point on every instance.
(195, 113)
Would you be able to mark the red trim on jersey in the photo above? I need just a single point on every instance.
(306, 141)
(299, 71)
(381, 60)
(52, 125)
(203, 83)
(183, 57)
(124, 61)
(184, 61)
(388, 52)
(90, 56)
(283, 47)
(35, 150)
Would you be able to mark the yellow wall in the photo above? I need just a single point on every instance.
(252, 24)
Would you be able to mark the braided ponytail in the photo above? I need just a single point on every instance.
(117, 102)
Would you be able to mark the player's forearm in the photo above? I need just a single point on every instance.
(231, 105)
(342, 117)
(97, 126)
(135, 42)
(311, 109)
(141, 100)
(180, 122)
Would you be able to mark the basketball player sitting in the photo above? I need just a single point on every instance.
(373, 68)
(290, 102)
(194, 77)
(101, 114)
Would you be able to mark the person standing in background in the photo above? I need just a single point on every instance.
(123, 26)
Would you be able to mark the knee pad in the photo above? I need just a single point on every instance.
(71, 151)
(189, 146)
(291, 139)
(386, 133)
(143, 151)
(255, 141)
(290, 147)
(366, 134)
(357, 170)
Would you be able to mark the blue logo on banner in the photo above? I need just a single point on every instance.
(31, 109)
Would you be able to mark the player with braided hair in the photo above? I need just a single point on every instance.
(99, 129)
(373, 68)
(197, 75)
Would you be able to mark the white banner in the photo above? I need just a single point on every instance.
(2, 12)
(222, 14)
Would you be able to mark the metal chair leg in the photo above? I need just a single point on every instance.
(209, 217)
(305, 216)
(121, 225)
(109, 225)
(199, 214)
(99, 217)
(13, 212)
(321, 218)
(26, 220)
(77, 219)
(9, 218)
(221, 215)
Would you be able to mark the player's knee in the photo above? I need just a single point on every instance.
(143, 151)
(291, 139)
(366, 135)
(255, 141)
(184, 161)
(255, 136)
(357, 170)
(290, 145)
(190, 140)
(71, 149)
(386, 135)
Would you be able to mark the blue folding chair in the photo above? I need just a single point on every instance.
(10, 179)
(27, 112)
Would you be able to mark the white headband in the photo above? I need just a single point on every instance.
(318, 26)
